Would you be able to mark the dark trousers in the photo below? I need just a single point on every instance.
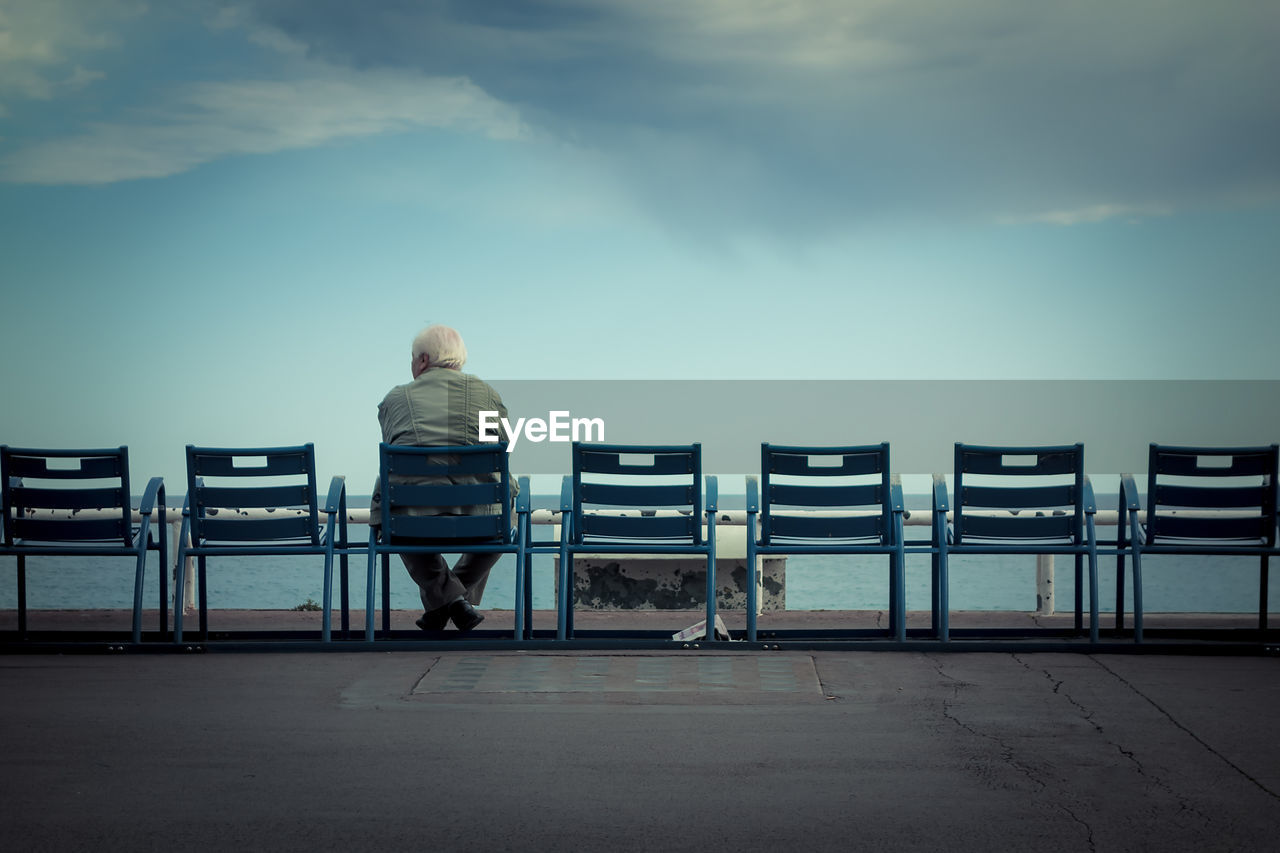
(439, 585)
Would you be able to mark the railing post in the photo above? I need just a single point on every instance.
(175, 528)
(1044, 584)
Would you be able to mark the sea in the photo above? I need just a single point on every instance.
(1171, 584)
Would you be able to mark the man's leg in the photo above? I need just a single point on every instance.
(437, 586)
(472, 571)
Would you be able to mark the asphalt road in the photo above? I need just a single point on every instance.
(648, 751)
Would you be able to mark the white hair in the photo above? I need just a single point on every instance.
(443, 346)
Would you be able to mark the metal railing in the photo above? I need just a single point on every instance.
(730, 517)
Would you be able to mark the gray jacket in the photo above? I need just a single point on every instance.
(440, 408)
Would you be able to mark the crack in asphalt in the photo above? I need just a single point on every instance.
(1007, 752)
(1154, 704)
(1089, 717)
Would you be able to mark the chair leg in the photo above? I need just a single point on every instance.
(344, 578)
(1137, 595)
(369, 593)
(202, 586)
(752, 583)
(1119, 592)
(892, 594)
(164, 583)
(934, 578)
(386, 594)
(942, 612)
(566, 598)
(527, 603)
(22, 596)
(1263, 592)
(900, 587)
(528, 596)
(138, 577)
(944, 601)
(711, 598)
(179, 591)
(1079, 593)
(517, 606)
(326, 620)
(1121, 527)
(1093, 597)
(1093, 579)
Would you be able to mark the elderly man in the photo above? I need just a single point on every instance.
(441, 407)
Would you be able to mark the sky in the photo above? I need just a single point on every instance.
(224, 222)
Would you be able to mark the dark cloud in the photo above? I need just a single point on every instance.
(812, 116)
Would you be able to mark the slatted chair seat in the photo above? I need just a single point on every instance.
(826, 500)
(637, 499)
(77, 502)
(236, 505)
(1202, 501)
(1016, 500)
(470, 488)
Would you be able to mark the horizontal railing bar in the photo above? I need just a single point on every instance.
(732, 517)
(918, 518)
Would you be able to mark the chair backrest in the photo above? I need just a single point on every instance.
(1239, 482)
(640, 478)
(994, 478)
(221, 480)
(853, 479)
(58, 485)
(472, 481)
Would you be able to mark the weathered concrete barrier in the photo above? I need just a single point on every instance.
(676, 581)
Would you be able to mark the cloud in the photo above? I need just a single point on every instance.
(201, 122)
(41, 45)
(820, 114)
(1087, 215)
(743, 117)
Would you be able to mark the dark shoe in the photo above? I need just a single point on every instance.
(434, 620)
(464, 616)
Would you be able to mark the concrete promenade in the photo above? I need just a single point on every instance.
(643, 750)
(643, 620)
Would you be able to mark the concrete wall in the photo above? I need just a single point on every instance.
(676, 582)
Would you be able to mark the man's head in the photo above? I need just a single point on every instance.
(438, 346)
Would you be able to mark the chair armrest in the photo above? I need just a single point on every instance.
(155, 489)
(337, 490)
(1129, 493)
(1090, 503)
(335, 508)
(566, 494)
(523, 502)
(1130, 505)
(940, 503)
(896, 502)
(753, 494)
(713, 493)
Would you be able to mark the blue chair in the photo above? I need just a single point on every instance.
(77, 502)
(996, 513)
(257, 502)
(807, 507)
(659, 511)
(475, 478)
(1204, 501)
